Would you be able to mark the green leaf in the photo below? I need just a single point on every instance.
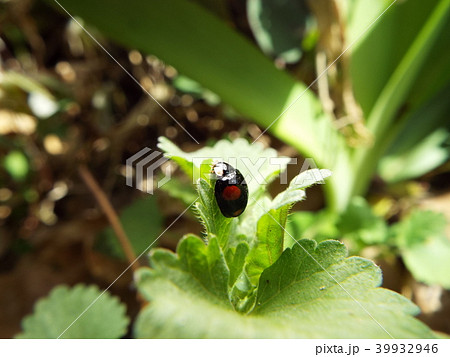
(236, 261)
(256, 208)
(242, 291)
(396, 90)
(359, 223)
(420, 145)
(181, 190)
(187, 85)
(252, 160)
(295, 299)
(141, 221)
(16, 163)
(268, 245)
(424, 246)
(295, 192)
(385, 44)
(425, 156)
(214, 222)
(206, 263)
(52, 315)
(198, 268)
(420, 225)
(278, 27)
(315, 286)
(220, 8)
(312, 225)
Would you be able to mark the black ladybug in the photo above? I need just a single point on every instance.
(230, 189)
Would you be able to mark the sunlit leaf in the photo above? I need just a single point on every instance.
(296, 298)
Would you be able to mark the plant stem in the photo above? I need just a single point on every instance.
(110, 214)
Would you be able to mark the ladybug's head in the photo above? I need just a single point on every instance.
(221, 169)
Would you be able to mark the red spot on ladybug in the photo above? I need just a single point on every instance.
(230, 189)
(231, 193)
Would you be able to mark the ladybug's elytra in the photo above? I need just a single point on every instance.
(230, 189)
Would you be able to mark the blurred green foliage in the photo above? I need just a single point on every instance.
(142, 222)
(391, 60)
(94, 314)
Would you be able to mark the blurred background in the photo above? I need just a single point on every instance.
(376, 114)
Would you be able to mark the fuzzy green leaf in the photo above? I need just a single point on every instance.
(252, 160)
(213, 220)
(257, 166)
(52, 315)
(236, 261)
(295, 192)
(295, 299)
(288, 292)
(198, 268)
(268, 244)
(206, 263)
(256, 208)
(241, 289)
